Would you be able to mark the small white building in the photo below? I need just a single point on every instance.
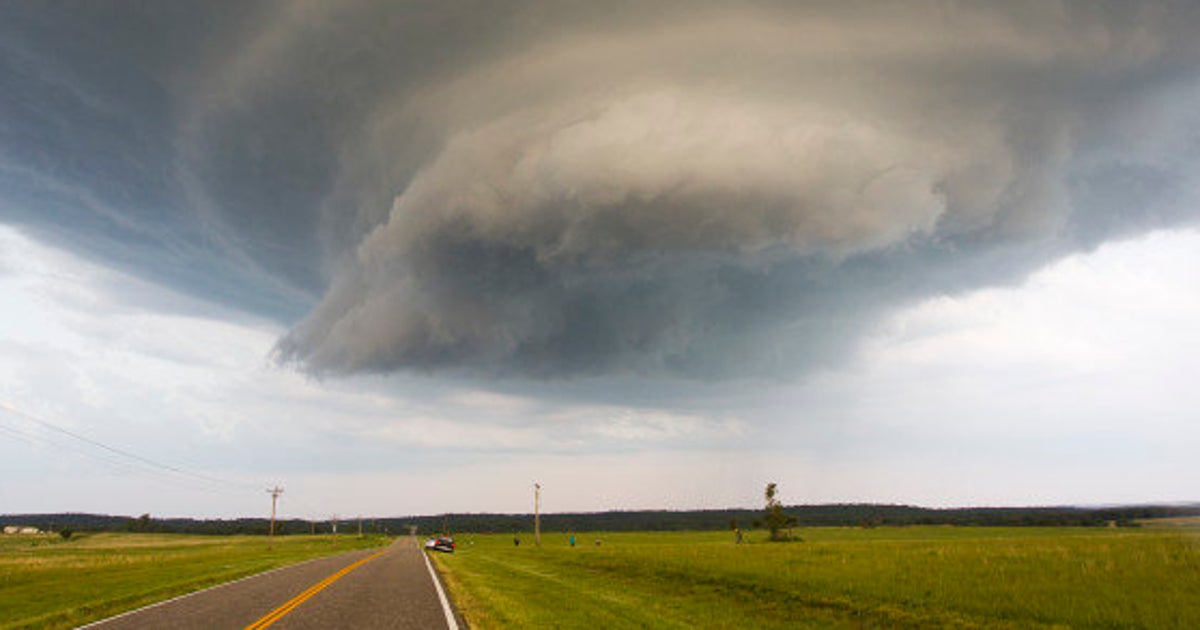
(12, 530)
(9, 530)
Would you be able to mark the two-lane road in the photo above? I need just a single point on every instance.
(389, 588)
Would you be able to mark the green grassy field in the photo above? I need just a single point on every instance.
(1171, 522)
(916, 577)
(46, 582)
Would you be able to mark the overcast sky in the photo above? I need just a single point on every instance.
(413, 257)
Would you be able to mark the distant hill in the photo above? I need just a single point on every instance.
(856, 515)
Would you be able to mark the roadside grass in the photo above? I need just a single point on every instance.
(910, 577)
(47, 582)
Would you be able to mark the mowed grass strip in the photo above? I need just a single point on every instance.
(46, 582)
(913, 577)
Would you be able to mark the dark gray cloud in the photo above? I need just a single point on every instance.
(554, 189)
(89, 98)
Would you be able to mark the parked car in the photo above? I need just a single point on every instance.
(440, 543)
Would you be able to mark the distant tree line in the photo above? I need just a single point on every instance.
(854, 515)
(149, 524)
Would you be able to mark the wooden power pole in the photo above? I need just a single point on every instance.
(537, 514)
(274, 492)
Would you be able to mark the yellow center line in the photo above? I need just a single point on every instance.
(278, 613)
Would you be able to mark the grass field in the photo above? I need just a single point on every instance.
(916, 577)
(46, 582)
(1176, 521)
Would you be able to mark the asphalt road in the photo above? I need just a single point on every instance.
(389, 588)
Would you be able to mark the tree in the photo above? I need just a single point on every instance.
(142, 523)
(774, 518)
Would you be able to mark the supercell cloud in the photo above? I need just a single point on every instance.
(574, 189)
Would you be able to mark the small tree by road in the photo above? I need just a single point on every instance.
(778, 523)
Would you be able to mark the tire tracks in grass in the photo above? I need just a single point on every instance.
(782, 605)
(628, 599)
(618, 610)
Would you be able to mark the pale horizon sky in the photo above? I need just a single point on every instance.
(1074, 387)
(401, 259)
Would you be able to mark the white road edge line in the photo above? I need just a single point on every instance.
(451, 622)
(203, 590)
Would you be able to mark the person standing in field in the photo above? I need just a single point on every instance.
(738, 533)
(516, 540)
(572, 540)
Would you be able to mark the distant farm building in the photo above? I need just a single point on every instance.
(12, 530)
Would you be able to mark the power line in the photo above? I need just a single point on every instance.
(18, 435)
(118, 458)
(35, 440)
(115, 450)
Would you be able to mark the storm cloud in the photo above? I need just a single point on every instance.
(693, 189)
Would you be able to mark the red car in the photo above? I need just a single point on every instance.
(440, 543)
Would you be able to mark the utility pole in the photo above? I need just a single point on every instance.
(537, 515)
(274, 492)
(312, 528)
(360, 525)
(333, 523)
